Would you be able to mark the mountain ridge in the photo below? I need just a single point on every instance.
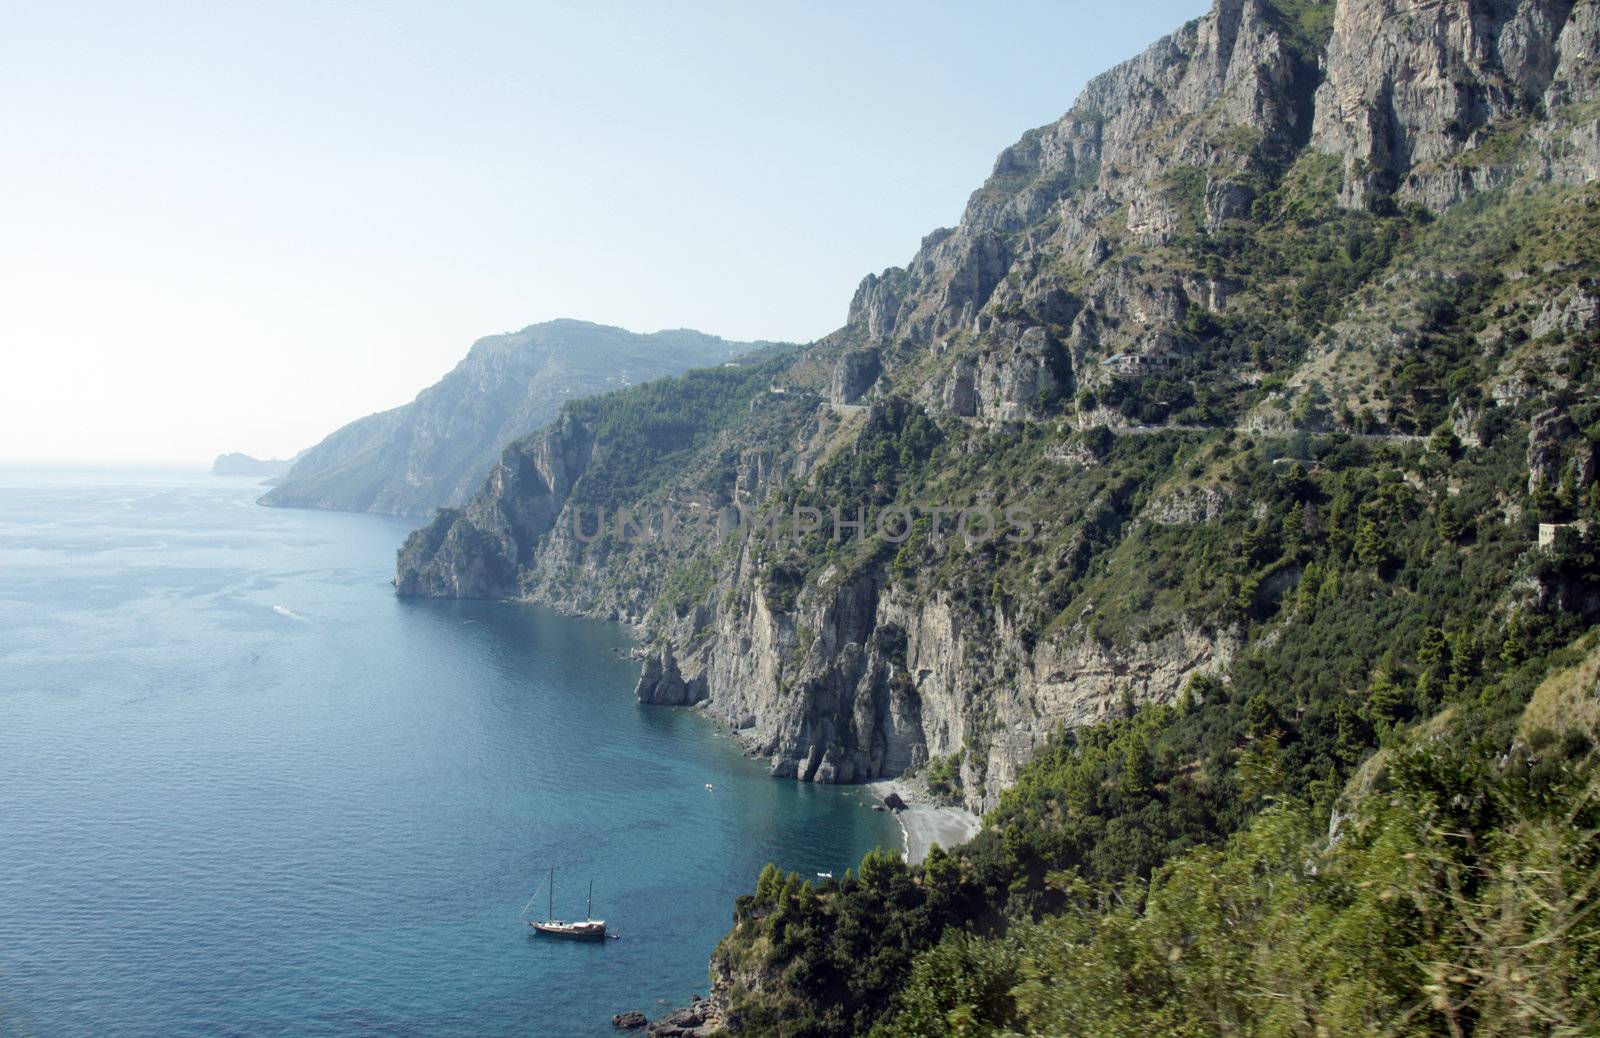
(434, 450)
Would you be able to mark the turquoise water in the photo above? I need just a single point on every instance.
(244, 790)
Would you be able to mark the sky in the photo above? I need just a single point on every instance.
(238, 226)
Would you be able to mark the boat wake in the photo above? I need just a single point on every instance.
(290, 613)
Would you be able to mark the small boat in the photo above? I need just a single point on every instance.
(709, 787)
(824, 875)
(588, 927)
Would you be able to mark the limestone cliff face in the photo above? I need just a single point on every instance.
(859, 676)
(1424, 100)
(867, 678)
(478, 551)
(1096, 258)
(1186, 104)
(1417, 91)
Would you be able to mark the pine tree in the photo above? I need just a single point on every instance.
(1433, 659)
(1463, 662)
(1385, 701)
(1350, 733)
(1294, 526)
(1370, 551)
(1260, 718)
(1444, 441)
(1261, 768)
(1138, 768)
(1513, 650)
(1448, 522)
(769, 884)
(1305, 593)
(1328, 593)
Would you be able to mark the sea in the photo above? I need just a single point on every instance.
(246, 790)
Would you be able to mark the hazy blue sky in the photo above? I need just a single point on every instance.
(238, 226)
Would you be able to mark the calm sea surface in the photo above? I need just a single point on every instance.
(244, 790)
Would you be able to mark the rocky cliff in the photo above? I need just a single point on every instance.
(1290, 236)
(437, 449)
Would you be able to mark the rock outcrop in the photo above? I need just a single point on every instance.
(855, 373)
(478, 551)
(661, 683)
(699, 1019)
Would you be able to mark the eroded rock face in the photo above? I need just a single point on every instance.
(1411, 86)
(1135, 137)
(1023, 374)
(1547, 439)
(1578, 312)
(1226, 200)
(876, 306)
(478, 551)
(661, 683)
(1198, 504)
(869, 680)
(855, 373)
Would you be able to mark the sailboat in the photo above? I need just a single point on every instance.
(588, 927)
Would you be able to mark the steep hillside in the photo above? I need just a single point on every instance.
(1290, 293)
(435, 450)
(1228, 470)
(1454, 892)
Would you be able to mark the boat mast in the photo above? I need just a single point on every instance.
(588, 908)
(552, 911)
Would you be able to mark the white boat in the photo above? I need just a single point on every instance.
(587, 927)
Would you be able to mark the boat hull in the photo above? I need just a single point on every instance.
(593, 929)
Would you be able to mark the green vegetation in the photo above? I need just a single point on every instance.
(1307, 24)
(652, 433)
(1460, 892)
(687, 585)
(943, 777)
(1171, 871)
(1460, 901)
